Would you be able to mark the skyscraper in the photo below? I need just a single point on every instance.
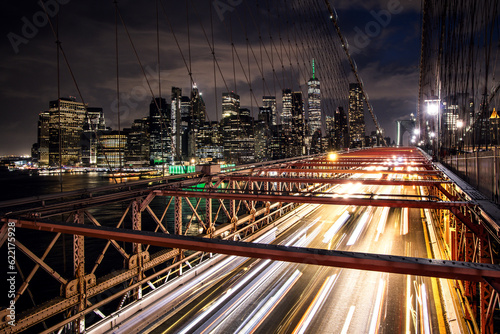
(230, 104)
(270, 102)
(159, 130)
(298, 125)
(286, 114)
(340, 132)
(314, 102)
(356, 116)
(176, 124)
(93, 126)
(67, 118)
(43, 138)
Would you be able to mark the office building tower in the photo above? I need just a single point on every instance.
(341, 133)
(138, 139)
(298, 124)
(111, 150)
(270, 102)
(67, 118)
(230, 104)
(356, 116)
(198, 118)
(286, 113)
(93, 126)
(314, 102)
(43, 138)
(160, 128)
(176, 120)
(265, 115)
(210, 143)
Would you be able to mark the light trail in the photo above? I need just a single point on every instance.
(377, 307)
(404, 221)
(316, 303)
(348, 320)
(382, 222)
(425, 309)
(271, 303)
(335, 227)
(361, 225)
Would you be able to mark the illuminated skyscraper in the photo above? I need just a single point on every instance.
(67, 118)
(270, 102)
(230, 104)
(160, 131)
(356, 116)
(43, 138)
(314, 102)
(286, 114)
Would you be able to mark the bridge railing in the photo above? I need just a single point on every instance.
(479, 169)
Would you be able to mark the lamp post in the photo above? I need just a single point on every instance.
(433, 109)
(460, 125)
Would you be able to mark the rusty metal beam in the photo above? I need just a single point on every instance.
(372, 262)
(351, 171)
(352, 164)
(369, 201)
(378, 182)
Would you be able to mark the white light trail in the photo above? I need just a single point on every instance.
(335, 227)
(270, 304)
(348, 320)
(425, 310)
(408, 304)
(317, 302)
(214, 306)
(404, 221)
(382, 222)
(377, 306)
(361, 225)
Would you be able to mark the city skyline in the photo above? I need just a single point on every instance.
(94, 71)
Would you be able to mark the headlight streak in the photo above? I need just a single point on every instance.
(336, 227)
(374, 324)
(382, 222)
(425, 309)
(404, 222)
(316, 303)
(264, 311)
(348, 320)
(359, 228)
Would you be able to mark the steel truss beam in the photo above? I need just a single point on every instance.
(300, 198)
(467, 271)
(379, 182)
(351, 171)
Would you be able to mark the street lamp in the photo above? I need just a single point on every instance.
(460, 125)
(433, 109)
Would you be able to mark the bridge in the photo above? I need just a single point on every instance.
(313, 227)
(232, 209)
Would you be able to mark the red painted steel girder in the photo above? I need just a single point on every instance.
(352, 164)
(371, 201)
(362, 261)
(378, 182)
(350, 171)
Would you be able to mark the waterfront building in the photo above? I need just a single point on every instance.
(67, 117)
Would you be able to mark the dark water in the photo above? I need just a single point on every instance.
(15, 185)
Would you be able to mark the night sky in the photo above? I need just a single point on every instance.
(387, 58)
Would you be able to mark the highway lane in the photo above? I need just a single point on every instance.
(263, 296)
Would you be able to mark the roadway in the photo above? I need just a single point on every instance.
(263, 296)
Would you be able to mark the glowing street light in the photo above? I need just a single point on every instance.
(332, 156)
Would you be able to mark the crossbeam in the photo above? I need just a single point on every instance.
(301, 198)
(362, 261)
(350, 171)
(378, 182)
